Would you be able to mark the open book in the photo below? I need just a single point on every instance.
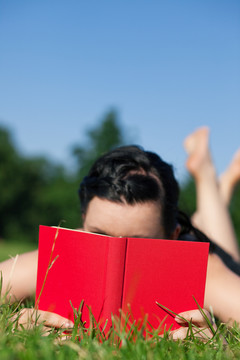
(111, 273)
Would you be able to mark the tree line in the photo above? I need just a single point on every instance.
(36, 191)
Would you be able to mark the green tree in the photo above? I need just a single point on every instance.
(34, 191)
(19, 181)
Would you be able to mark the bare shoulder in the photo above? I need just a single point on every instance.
(222, 290)
(19, 274)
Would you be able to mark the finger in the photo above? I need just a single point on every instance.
(22, 316)
(179, 334)
(195, 316)
(183, 332)
(53, 320)
(32, 316)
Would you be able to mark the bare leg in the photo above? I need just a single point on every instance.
(212, 215)
(229, 179)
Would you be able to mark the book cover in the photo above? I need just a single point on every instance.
(111, 273)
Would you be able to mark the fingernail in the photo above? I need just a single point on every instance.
(178, 319)
(68, 324)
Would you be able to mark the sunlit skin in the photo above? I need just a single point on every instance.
(121, 219)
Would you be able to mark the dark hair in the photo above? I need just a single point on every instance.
(130, 174)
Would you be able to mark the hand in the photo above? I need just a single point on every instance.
(29, 318)
(200, 325)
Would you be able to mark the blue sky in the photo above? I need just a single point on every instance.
(167, 67)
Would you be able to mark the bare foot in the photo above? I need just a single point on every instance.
(229, 179)
(196, 146)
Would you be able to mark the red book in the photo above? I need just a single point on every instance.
(111, 273)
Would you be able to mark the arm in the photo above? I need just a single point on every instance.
(19, 276)
(19, 281)
(222, 291)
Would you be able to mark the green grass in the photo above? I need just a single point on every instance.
(12, 248)
(28, 344)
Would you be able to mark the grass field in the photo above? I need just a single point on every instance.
(23, 343)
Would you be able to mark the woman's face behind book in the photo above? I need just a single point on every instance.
(121, 219)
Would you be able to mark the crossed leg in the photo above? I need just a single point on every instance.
(212, 216)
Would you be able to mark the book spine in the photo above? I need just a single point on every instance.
(115, 269)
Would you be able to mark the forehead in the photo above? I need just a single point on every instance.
(121, 219)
